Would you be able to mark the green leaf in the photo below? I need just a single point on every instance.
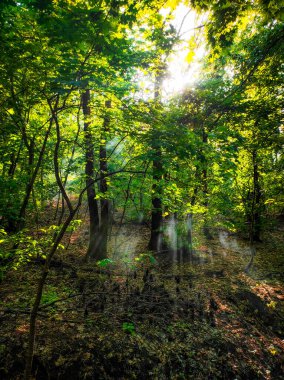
(105, 262)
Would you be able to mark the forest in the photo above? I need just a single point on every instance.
(141, 189)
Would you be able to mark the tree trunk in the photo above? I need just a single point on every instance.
(206, 229)
(256, 211)
(89, 171)
(30, 185)
(156, 215)
(41, 283)
(104, 202)
(14, 161)
(10, 220)
(254, 217)
(156, 237)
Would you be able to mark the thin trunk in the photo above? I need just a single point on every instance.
(89, 171)
(257, 200)
(204, 169)
(36, 209)
(41, 283)
(206, 229)
(42, 187)
(255, 212)
(127, 193)
(104, 202)
(156, 237)
(187, 248)
(14, 161)
(62, 212)
(156, 216)
(11, 219)
(73, 149)
(57, 206)
(141, 216)
(66, 178)
(29, 188)
(253, 201)
(31, 152)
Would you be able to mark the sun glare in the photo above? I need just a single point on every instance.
(183, 72)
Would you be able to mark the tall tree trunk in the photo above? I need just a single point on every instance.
(206, 229)
(256, 210)
(156, 215)
(156, 237)
(254, 217)
(254, 203)
(89, 171)
(104, 202)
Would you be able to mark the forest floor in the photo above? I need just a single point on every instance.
(137, 317)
